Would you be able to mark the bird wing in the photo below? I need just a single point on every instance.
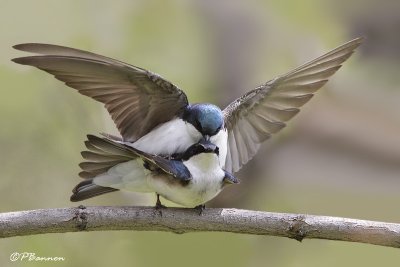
(104, 153)
(252, 118)
(138, 100)
(174, 168)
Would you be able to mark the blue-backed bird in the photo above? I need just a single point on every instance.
(154, 116)
(191, 179)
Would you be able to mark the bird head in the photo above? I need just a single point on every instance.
(206, 118)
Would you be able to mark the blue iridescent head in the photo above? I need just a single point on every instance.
(206, 118)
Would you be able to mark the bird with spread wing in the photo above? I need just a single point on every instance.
(155, 117)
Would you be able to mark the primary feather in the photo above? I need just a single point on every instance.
(138, 100)
(252, 118)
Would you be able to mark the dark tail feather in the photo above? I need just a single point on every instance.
(87, 189)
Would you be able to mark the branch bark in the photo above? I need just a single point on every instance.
(180, 220)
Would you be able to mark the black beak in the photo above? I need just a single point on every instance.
(208, 146)
(203, 146)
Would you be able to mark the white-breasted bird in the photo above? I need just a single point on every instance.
(190, 180)
(154, 116)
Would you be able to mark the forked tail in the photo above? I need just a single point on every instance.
(102, 154)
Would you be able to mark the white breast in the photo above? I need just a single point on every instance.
(174, 136)
(206, 182)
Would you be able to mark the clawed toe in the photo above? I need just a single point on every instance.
(200, 208)
(159, 206)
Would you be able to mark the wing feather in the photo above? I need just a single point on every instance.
(105, 153)
(252, 118)
(126, 91)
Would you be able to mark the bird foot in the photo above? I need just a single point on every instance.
(200, 209)
(159, 206)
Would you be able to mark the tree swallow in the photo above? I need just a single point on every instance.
(192, 179)
(154, 116)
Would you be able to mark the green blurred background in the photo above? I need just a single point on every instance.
(340, 156)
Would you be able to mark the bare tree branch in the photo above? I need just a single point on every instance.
(180, 220)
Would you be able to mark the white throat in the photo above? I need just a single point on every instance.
(204, 166)
(221, 141)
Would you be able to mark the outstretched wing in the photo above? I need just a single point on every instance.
(252, 118)
(138, 100)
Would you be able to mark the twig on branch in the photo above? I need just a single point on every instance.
(180, 220)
